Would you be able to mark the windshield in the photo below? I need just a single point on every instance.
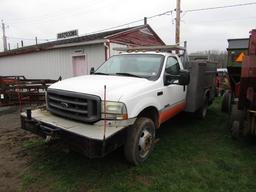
(137, 65)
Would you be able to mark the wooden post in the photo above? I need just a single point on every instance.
(4, 37)
(177, 34)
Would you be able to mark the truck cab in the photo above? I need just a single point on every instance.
(122, 103)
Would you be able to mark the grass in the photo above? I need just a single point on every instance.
(192, 155)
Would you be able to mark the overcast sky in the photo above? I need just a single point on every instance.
(204, 30)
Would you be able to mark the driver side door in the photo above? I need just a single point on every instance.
(174, 95)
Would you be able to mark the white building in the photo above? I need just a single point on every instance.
(73, 56)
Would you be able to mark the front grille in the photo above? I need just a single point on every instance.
(73, 105)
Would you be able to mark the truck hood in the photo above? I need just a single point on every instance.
(116, 86)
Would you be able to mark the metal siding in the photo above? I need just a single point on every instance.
(115, 45)
(50, 64)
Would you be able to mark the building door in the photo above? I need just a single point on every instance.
(80, 65)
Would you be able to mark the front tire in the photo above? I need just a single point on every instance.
(140, 141)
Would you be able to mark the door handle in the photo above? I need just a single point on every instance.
(166, 105)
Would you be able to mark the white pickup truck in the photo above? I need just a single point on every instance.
(123, 102)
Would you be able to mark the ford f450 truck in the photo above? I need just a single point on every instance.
(124, 101)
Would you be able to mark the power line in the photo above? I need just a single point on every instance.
(28, 39)
(106, 29)
(164, 13)
(224, 20)
(151, 17)
(115, 27)
(221, 7)
(102, 30)
(171, 11)
(132, 22)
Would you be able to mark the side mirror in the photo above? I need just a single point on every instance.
(92, 70)
(184, 77)
(169, 79)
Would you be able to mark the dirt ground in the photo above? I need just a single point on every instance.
(13, 159)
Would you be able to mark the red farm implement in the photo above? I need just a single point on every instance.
(240, 101)
(18, 90)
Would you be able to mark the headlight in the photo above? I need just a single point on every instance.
(114, 110)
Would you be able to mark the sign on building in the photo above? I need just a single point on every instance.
(67, 34)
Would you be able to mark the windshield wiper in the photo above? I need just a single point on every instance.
(99, 73)
(129, 75)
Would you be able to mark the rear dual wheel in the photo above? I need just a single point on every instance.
(202, 111)
(226, 105)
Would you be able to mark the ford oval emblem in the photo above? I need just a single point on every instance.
(63, 104)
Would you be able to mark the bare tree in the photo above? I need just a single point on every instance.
(214, 55)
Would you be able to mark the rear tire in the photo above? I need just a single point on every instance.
(226, 102)
(140, 141)
(202, 111)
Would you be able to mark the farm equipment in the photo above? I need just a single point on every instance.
(18, 90)
(240, 100)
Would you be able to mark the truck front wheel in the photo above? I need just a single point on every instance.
(140, 141)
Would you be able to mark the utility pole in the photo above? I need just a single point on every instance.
(177, 33)
(4, 37)
(145, 20)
